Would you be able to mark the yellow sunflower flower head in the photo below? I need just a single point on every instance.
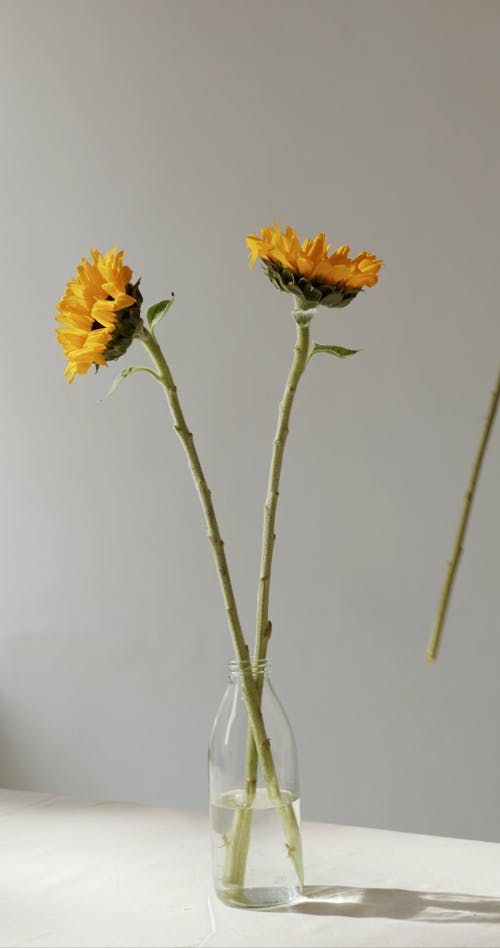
(309, 271)
(99, 312)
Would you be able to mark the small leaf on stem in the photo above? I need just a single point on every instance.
(156, 312)
(338, 351)
(125, 373)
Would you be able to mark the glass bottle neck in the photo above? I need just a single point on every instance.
(238, 670)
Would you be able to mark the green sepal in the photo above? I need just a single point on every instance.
(125, 373)
(309, 292)
(156, 312)
(338, 351)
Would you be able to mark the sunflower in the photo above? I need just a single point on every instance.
(308, 271)
(99, 312)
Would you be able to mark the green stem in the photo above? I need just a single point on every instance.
(250, 690)
(236, 854)
(451, 570)
(301, 351)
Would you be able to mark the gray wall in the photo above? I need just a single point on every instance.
(173, 129)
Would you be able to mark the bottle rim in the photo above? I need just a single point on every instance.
(236, 667)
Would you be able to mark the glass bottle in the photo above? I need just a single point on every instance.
(252, 861)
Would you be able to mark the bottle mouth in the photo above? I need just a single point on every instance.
(242, 668)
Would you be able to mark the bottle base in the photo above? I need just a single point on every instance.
(258, 897)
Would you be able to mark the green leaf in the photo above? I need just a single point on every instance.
(125, 373)
(156, 313)
(338, 351)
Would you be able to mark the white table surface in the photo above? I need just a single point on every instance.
(112, 874)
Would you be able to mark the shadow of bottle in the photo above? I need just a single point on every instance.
(396, 903)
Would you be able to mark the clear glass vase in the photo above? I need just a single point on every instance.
(256, 843)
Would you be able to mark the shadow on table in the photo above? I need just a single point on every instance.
(397, 903)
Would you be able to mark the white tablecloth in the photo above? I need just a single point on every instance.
(112, 874)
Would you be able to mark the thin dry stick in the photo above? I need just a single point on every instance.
(435, 639)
